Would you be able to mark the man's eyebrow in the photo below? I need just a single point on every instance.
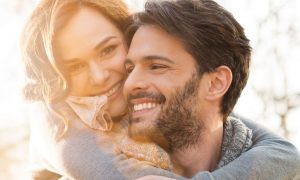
(128, 61)
(99, 45)
(151, 58)
(157, 57)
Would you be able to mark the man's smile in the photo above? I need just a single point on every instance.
(145, 104)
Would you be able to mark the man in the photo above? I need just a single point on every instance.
(188, 63)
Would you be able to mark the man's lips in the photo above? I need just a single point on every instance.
(144, 106)
(144, 101)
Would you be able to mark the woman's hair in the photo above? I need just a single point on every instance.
(46, 79)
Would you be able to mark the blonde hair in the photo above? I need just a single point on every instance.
(47, 81)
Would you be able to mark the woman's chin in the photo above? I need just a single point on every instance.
(117, 108)
(118, 114)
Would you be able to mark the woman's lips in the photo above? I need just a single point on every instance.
(113, 90)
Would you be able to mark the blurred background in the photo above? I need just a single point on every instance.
(271, 98)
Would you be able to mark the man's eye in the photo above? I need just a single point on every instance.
(108, 50)
(75, 68)
(157, 66)
(129, 69)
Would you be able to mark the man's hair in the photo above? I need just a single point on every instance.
(208, 32)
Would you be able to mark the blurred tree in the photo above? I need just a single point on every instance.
(275, 39)
(278, 46)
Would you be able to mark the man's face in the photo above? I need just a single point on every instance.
(162, 88)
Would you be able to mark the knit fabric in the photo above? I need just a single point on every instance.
(236, 140)
(115, 139)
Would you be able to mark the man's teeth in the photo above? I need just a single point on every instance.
(139, 107)
(113, 90)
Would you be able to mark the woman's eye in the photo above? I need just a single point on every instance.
(75, 68)
(108, 50)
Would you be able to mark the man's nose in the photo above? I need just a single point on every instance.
(136, 81)
(98, 75)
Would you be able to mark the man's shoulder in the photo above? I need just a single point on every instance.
(273, 150)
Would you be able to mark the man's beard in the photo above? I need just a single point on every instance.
(179, 122)
(178, 125)
(148, 131)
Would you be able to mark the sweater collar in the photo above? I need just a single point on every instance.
(91, 110)
(237, 138)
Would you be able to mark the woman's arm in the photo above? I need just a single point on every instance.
(270, 157)
(78, 156)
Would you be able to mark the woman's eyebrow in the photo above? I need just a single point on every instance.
(104, 41)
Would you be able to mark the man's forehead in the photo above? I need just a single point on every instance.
(147, 38)
(150, 40)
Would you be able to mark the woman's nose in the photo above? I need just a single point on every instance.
(98, 74)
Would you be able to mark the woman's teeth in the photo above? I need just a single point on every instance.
(143, 106)
(113, 90)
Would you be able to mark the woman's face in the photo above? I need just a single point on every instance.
(93, 50)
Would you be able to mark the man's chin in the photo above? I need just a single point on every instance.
(147, 133)
(138, 131)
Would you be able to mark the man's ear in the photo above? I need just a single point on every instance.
(220, 80)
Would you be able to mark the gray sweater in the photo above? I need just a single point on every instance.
(78, 156)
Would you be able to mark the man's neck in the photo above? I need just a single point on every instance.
(203, 156)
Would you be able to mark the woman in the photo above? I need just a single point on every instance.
(74, 52)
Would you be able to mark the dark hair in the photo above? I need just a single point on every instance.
(208, 32)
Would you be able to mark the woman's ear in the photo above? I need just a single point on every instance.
(220, 81)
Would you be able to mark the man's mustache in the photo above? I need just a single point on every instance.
(155, 96)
